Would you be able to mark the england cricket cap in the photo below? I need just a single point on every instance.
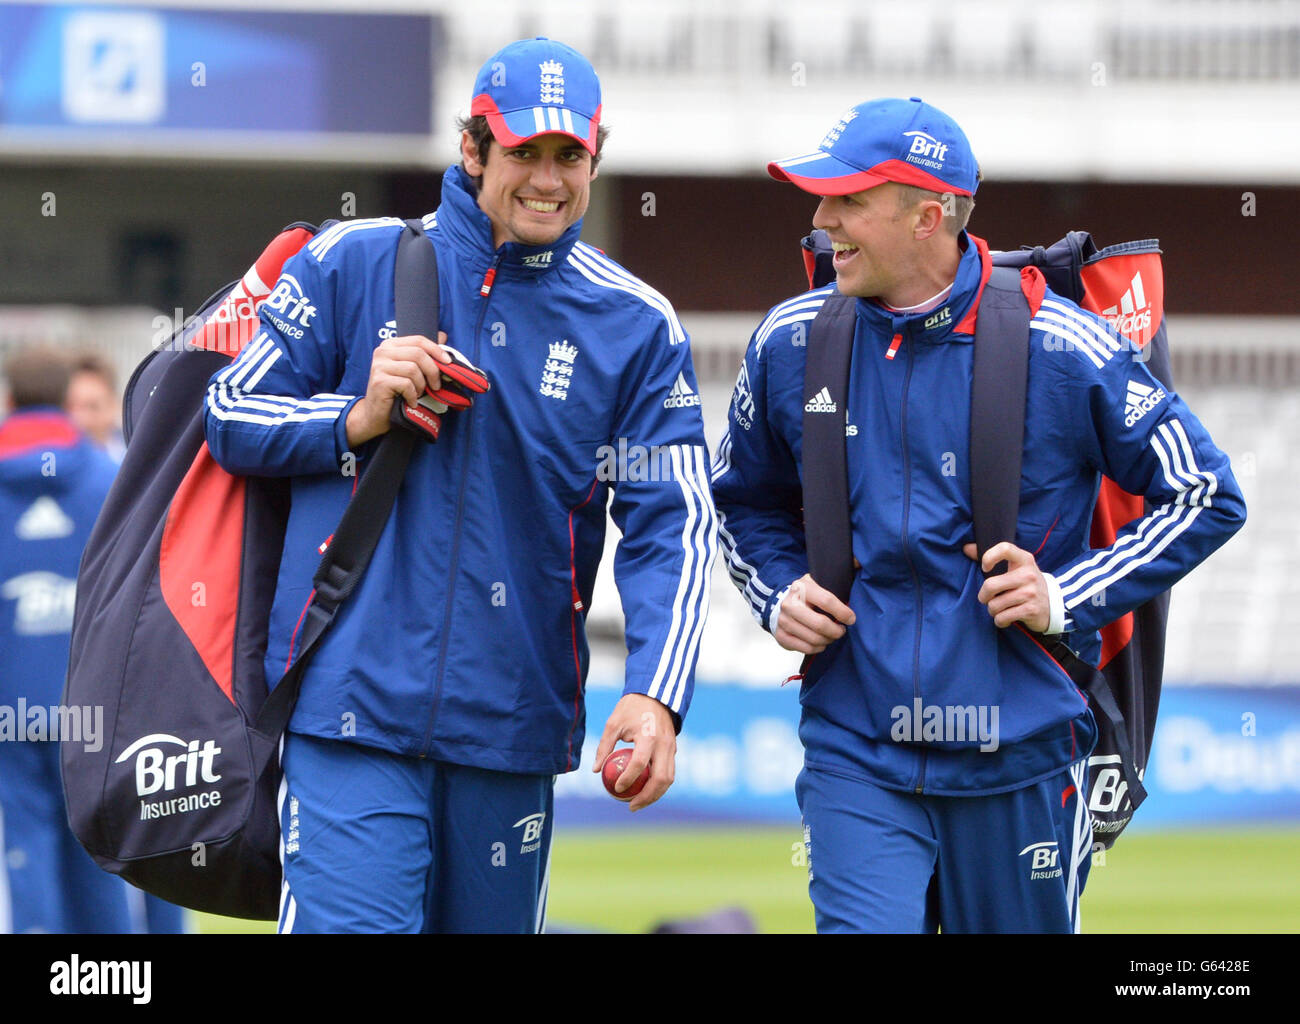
(906, 141)
(536, 86)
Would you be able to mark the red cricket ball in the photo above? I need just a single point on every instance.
(615, 765)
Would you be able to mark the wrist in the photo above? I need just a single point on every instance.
(360, 425)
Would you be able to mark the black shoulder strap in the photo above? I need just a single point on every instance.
(828, 537)
(997, 409)
(344, 563)
(997, 441)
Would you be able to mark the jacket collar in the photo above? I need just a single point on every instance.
(34, 427)
(470, 231)
(954, 316)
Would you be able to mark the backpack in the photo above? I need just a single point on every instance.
(173, 599)
(1124, 283)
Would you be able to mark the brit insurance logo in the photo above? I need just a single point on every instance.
(941, 319)
(539, 260)
(43, 603)
(113, 67)
(1044, 860)
(531, 838)
(557, 373)
(161, 769)
(926, 150)
(742, 400)
(288, 308)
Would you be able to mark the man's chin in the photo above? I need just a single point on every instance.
(540, 237)
(849, 286)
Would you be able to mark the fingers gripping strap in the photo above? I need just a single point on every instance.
(345, 560)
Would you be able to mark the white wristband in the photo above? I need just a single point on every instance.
(1055, 606)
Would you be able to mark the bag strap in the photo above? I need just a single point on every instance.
(1102, 699)
(415, 283)
(997, 441)
(1000, 381)
(828, 537)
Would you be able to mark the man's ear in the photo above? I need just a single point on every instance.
(929, 219)
(469, 155)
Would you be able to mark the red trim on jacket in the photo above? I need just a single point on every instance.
(24, 432)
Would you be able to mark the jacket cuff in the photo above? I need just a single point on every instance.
(773, 611)
(341, 446)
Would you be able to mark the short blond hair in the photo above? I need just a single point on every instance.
(956, 209)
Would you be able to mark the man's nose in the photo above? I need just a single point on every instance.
(822, 217)
(546, 174)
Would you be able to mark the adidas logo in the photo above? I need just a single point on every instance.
(1140, 401)
(1131, 316)
(43, 520)
(681, 395)
(820, 402)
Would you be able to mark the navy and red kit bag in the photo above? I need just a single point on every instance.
(173, 599)
(1123, 283)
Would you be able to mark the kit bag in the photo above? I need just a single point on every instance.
(173, 599)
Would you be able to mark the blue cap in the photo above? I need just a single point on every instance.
(906, 141)
(536, 86)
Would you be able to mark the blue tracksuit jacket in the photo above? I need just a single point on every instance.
(921, 633)
(52, 482)
(465, 640)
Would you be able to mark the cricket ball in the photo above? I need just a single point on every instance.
(615, 765)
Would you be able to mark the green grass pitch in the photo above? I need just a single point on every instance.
(1242, 880)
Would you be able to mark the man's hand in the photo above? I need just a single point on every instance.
(400, 369)
(1020, 593)
(648, 724)
(811, 618)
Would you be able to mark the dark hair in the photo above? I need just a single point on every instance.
(93, 362)
(37, 375)
(481, 134)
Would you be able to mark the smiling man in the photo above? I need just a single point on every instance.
(954, 828)
(420, 760)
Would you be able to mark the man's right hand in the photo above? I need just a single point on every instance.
(400, 369)
(811, 617)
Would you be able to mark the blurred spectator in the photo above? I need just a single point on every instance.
(52, 483)
(94, 402)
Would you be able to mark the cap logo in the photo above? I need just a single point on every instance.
(927, 146)
(552, 82)
(833, 136)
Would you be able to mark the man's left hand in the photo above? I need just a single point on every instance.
(645, 722)
(1020, 593)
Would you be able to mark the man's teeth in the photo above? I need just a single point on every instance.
(843, 247)
(540, 207)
